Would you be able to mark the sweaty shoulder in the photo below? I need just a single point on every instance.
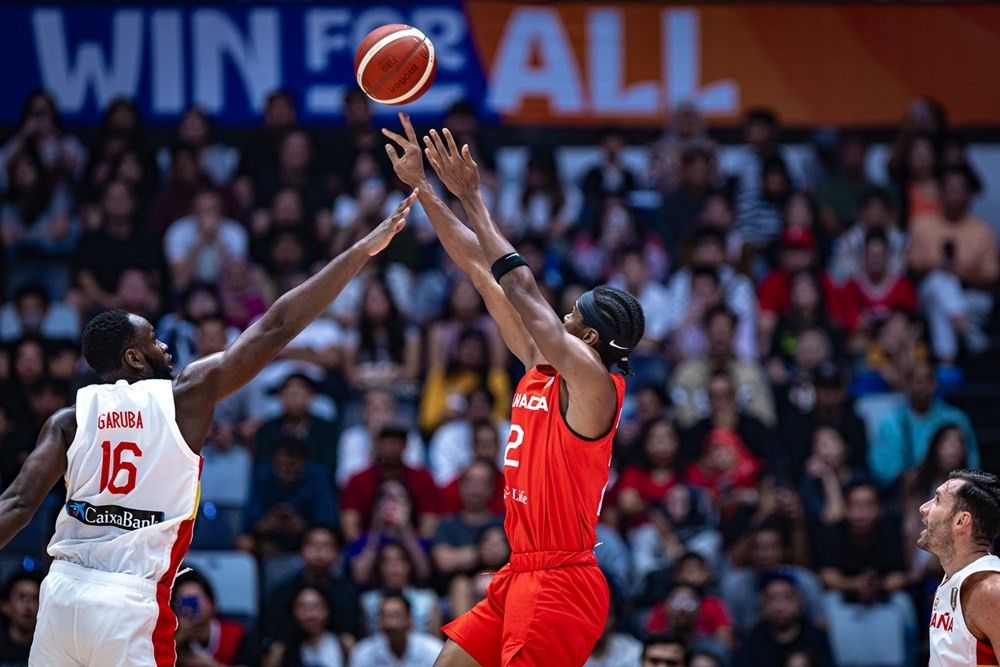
(981, 605)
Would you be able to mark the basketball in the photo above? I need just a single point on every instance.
(395, 64)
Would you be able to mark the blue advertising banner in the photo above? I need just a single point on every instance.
(224, 58)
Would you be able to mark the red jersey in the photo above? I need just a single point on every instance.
(555, 479)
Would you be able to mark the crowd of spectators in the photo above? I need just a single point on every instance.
(783, 425)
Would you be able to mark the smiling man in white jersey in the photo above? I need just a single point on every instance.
(130, 454)
(963, 520)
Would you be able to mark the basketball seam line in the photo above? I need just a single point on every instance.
(402, 64)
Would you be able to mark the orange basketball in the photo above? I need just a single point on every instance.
(395, 64)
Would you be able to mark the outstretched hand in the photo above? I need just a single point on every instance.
(456, 169)
(410, 165)
(379, 238)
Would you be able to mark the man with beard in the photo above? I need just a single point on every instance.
(963, 520)
(130, 455)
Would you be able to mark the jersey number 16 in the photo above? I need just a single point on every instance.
(112, 465)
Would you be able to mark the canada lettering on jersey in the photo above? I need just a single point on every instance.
(119, 419)
(530, 402)
(112, 515)
(943, 621)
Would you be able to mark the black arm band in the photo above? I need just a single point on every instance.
(506, 264)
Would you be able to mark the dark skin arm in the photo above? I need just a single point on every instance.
(461, 244)
(205, 382)
(589, 396)
(43, 468)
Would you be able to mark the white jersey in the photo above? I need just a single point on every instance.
(132, 483)
(951, 643)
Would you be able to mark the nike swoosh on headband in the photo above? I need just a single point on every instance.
(617, 346)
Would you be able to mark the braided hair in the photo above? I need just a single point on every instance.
(623, 313)
(105, 339)
(980, 497)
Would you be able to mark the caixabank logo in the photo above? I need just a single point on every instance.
(112, 515)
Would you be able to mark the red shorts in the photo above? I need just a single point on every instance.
(543, 608)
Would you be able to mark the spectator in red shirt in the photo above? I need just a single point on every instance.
(701, 621)
(873, 294)
(202, 638)
(797, 253)
(725, 464)
(657, 471)
(485, 449)
(358, 500)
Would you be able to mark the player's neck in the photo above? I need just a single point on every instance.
(961, 559)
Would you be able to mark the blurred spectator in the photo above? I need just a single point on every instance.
(454, 549)
(684, 612)
(783, 630)
(286, 497)
(179, 329)
(45, 398)
(725, 413)
(681, 523)
(184, 180)
(762, 550)
(198, 246)
(38, 228)
(633, 276)
(227, 468)
(485, 449)
(261, 150)
(31, 313)
(540, 203)
(663, 651)
(828, 474)
(807, 310)
(385, 351)
(354, 451)
(203, 638)
(839, 194)
(394, 570)
(119, 154)
(614, 648)
(455, 444)
(689, 384)
(685, 131)
(296, 422)
(916, 176)
(323, 570)
(243, 292)
(724, 467)
(658, 469)
(119, 244)
(27, 370)
(194, 133)
(19, 607)
(396, 644)
(701, 285)
(39, 130)
(861, 562)
(136, 293)
(797, 253)
(311, 640)
(492, 553)
(876, 212)
(477, 360)
(678, 213)
(361, 204)
(360, 493)
(762, 181)
(956, 253)
(905, 433)
(609, 178)
(286, 214)
(873, 293)
(702, 658)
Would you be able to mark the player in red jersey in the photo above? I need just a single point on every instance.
(549, 604)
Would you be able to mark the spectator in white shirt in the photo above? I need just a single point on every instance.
(396, 645)
(197, 245)
(355, 447)
(452, 447)
(31, 312)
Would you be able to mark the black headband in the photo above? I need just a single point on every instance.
(593, 317)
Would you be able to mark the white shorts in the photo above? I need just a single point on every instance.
(90, 618)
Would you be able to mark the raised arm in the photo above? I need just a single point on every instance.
(460, 243)
(40, 472)
(591, 392)
(208, 380)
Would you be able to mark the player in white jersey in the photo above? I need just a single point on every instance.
(963, 520)
(130, 454)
